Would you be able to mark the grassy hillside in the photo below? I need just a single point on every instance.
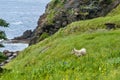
(51, 59)
(114, 12)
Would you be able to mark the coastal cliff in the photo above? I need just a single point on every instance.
(60, 13)
(54, 59)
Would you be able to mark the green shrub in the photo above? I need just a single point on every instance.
(43, 36)
(3, 23)
(2, 57)
(2, 35)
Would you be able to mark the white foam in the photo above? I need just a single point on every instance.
(14, 46)
(17, 23)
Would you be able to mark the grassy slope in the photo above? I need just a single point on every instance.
(51, 59)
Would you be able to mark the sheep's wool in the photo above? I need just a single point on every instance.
(79, 52)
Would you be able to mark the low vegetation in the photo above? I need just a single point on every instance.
(52, 10)
(51, 59)
(2, 57)
(3, 23)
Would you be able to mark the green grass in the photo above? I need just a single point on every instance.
(115, 11)
(51, 59)
(52, 10)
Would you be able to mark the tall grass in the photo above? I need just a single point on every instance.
(53, 60)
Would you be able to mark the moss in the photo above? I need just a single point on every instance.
(53, 8)
(50, 17)
(115, 11)
(54, 4)
(43, 36)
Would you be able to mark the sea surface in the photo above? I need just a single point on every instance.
(22, 15)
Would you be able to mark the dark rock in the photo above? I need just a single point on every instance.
(15, 54)
(68, 12)
(5, 51)
(26, 35)
(11, 57)
(110, 26)
(2, 64)
(6, 61)
(10, 53)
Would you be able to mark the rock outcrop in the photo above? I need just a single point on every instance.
(10, 55)
(26, 35)
(60, 13)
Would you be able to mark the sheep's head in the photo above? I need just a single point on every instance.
(73, 51)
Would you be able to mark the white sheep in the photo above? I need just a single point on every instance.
(79, 52)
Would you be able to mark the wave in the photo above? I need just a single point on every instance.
(17, 23)
(14, 46)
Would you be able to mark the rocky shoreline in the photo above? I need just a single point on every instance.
(15, 41)
(10, 55)
(25, 37)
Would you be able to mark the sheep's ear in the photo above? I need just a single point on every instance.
(74, 49)
(72, 52)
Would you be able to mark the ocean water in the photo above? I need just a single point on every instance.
(22, 15)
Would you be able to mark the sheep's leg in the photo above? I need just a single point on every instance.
(72, 52)
(77, 54)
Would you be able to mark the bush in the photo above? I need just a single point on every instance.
(2, 35)
(3, 23)
(2, 57)
(44, 35)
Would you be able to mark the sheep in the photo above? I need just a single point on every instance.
(80, 52)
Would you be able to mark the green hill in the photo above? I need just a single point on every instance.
(51, 59)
